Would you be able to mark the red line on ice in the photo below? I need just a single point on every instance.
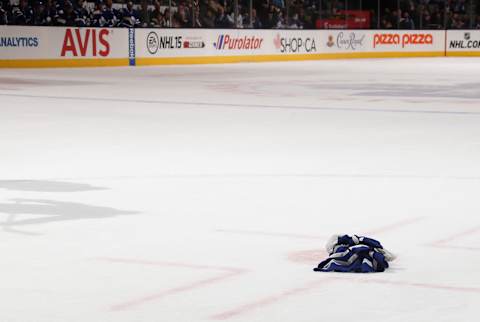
(174, 264)
(229, 272)
(243, 309)
(476, 249)
(456, 236)
(405, 222)
(268, 300)
(299, 256)
(379, 230)
(311, 256)
(421, 285)
(172, 291)
(274, 234)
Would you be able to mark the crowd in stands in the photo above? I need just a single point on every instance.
(267, 14)
(432, 14)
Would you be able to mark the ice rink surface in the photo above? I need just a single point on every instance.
(206, 193)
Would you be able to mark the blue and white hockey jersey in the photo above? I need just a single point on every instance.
(355, 254)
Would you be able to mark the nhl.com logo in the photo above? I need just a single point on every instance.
(468, 42)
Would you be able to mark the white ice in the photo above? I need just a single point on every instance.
(207, 193)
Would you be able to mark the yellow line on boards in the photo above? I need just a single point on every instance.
(463, 53)
(67, 62)
(280, 57)
(106, 62)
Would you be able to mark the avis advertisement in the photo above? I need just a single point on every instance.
(86, 42)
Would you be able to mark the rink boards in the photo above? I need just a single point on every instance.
(88, 47)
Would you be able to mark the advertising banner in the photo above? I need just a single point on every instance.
(356, 41)
(344, 41)
(151, 43)
(411, 41)
(288, 42)
(17, 43)
(59, 46)
(463, 43)
(158, 43)
(346, 19)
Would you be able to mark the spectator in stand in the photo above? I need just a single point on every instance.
(295, 22)
(3, 14)
(39, 14)
(278, 3)
(166, 14)
(221, 21)
(129, 16)
(281, 23)
(198, 22)
(438, 19)
(255, 22)
(208, 12)
(396, 18)
(406, 21)
(157, 16)
(458, 6)
(386, 24)
(263, 10)
(110, 15)
(60, 11)
(456, 22)
(51, 12)
(410, 7)
(307, 17)
(427, 20)
(435, 14)
(96, 17)
(67, 16)
(158, 21)
(208, 19)
(231, 18)
(182, 16)
(156, 8)
(145, 14)
(22, 14)
(270, 22)
(82, 13)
